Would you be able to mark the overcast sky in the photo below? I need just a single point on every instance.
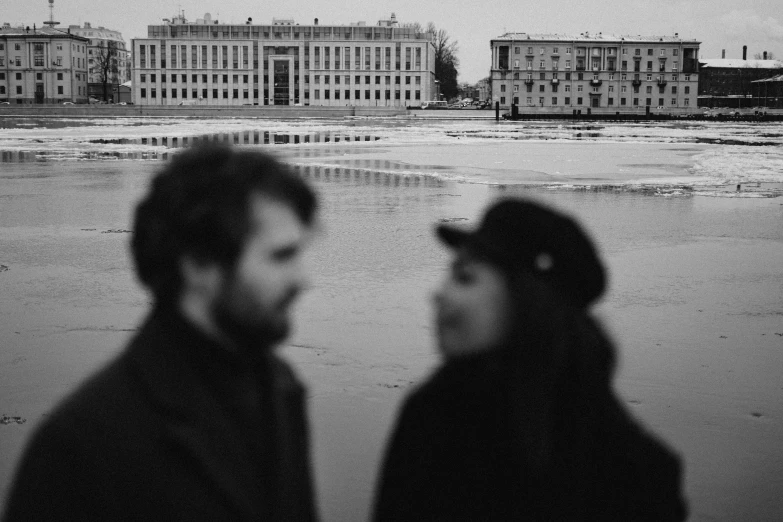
(718, 24)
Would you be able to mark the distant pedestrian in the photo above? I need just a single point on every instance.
(521, 421)
(197, 419)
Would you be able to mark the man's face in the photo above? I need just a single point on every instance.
(253, 305)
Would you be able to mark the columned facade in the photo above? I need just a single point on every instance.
(208, 63)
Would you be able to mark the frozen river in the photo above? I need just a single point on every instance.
(695, 301)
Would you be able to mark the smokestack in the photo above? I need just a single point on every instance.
(765, 55)
(723, 54)
(744, 52)
(315, 21)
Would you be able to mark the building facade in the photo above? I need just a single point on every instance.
(42, 65)
(283, 63)
(594, 71)
(734, 77)
(107, 57)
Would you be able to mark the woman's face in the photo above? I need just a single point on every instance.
(472, 307)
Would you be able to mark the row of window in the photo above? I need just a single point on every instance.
(38, 76)
(610, 51)
(623, 77)
(286, 32)
(239, 56)
(580, 101)
(596, 65)
(580, 88)
(245, 94)
(20, 90)
(194, 78)
(38, 47)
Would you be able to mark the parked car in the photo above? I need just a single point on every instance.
(68, 103)
(5, 103)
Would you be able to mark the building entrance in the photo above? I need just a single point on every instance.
(282, 88)
(39, 93)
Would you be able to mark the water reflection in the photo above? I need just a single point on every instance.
(40, 156)
(357, 176)
(243, 138)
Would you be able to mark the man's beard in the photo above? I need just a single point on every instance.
(240, 319)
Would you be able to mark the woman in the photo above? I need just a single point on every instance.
(520, 422)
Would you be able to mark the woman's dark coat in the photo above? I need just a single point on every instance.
(463, 449)
(174, 429)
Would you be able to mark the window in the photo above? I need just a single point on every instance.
(579, 101)
(554, 100)
(611, 88)
(568, 50)
(674, 101)
(623, 88)
(567, 88)
(610, 101)
(674, 89)
(686, 101)
(59, 89)
(567, 100)
(687, 89)
(579, 88)
(59, 77)
(648, 101)
(636, 102)
(516, 50)
(18, 89)
(541, 88)
(529, 100)
(143, 92)
(649, 52)
(649, 89)
(687, 77)
(555, 50)
(675, 52)
(503, 100)
(503, 87)
(649, 77)
(622, 101)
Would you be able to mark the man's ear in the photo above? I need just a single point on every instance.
(200, 278)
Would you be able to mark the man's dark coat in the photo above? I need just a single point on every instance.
(176, 428)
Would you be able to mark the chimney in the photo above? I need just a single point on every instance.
(765, 55)
(315, 22)
(744, 52)
(723, 54)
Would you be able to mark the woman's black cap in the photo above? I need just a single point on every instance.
(520, 235)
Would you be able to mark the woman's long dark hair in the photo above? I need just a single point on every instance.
(559, 365)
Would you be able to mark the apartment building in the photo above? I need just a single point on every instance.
(104, 44)
(283, 63)
(42, 65)
(594, 71)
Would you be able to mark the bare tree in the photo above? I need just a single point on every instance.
(446, 61)
(105, 65)
(760, 56)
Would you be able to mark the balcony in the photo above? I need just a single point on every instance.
(580, 67)
(661, 81)
(636, 83)
(529, 81)
(595, 82)
(555, 81)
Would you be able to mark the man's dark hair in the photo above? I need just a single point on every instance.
(199, 206)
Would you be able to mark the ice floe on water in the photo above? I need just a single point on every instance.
(715, 153)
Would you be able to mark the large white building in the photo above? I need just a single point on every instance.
(283, 63)
(42, 65)
(594, 71)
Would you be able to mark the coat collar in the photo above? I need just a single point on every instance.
(185, 374)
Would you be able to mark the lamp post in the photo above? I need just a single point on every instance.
(437, 89)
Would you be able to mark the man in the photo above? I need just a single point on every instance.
(197, 419)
